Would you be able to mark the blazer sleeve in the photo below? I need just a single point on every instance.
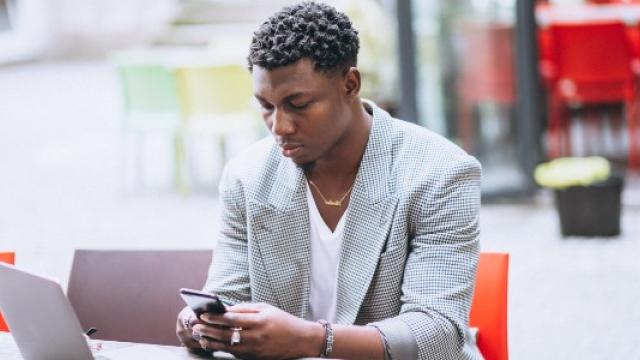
(229, 272)
(440, 271)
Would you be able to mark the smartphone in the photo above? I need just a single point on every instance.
(202, 302)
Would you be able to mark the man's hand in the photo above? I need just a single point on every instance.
(186, 320)
(267, 333)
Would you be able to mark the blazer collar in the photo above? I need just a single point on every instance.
(372, 207)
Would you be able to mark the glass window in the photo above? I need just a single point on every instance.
(466, 82)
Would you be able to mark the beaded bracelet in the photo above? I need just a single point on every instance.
(328, 339)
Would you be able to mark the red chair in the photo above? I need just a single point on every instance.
(592, 64)
(545, 51)
(487, 73)
(489, 307)
(9, 258)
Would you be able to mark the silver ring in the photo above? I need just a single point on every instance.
(235, 336)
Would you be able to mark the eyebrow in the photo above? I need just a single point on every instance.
(287, 98)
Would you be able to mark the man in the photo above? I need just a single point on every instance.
(348, 234)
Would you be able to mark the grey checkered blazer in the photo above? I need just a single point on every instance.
(410, 246)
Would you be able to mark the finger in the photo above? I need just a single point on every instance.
(241, 351)
(216, 345)
(186, 319)
(216, 333)
(185, 335)
(186, 338)
(193, 320)
(190, 343)
(239, 320)
(210, 344)
(187, 316)
(247, 307)
(233, 319)
(213, 319)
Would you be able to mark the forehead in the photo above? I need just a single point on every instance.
(295, 78)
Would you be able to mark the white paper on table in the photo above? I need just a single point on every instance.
(141, 351)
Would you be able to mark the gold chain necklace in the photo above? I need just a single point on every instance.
(336, 203)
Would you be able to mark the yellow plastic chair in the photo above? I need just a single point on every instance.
(151, 105)
(9, 258)
(216, 100)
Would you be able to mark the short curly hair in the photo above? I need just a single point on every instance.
(306, 30)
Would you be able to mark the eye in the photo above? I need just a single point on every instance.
(301, 106)
(266, 106)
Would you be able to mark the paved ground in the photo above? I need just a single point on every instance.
(60, 189)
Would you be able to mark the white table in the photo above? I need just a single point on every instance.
(115, 350)
(112, 350)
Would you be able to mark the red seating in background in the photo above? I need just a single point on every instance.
(545, 53)
(633, 37)
(9, 258)
(589, 64)
(487, 72)
(611, 2)
(489, 306)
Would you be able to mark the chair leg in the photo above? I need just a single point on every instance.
(554, 129)
(139, 168)
(589, 124)
(123, 157)
(632, 129)
(551, 137)
(180, 163)
(616, 120)
(222, 147)
(566, 121)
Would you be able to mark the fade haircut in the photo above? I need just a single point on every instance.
(310, 30)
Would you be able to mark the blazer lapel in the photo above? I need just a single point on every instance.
(280, 228)
(279, 222)
(371, 210)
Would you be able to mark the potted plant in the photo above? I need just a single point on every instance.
(587, 194)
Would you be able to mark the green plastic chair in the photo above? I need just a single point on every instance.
(217, 100)
(151, 105)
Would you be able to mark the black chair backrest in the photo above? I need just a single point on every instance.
(133, 295)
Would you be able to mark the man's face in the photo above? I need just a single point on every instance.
(305, 110)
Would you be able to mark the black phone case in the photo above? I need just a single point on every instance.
(201, 302)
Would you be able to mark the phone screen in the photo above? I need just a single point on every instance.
(202, 302)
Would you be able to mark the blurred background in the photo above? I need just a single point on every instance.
(117, 116)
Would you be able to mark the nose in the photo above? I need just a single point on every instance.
(282, 123)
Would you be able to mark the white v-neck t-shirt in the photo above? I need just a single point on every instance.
(325, 253)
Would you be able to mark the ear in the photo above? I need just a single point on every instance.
(351, 83)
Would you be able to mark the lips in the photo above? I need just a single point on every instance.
(289, 150)
(289, 147)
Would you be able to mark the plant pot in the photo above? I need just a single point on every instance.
(592, 210)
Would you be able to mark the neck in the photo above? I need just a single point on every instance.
(343, 161)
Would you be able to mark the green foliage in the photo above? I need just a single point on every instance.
(572, 171)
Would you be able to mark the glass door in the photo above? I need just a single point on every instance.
(466, 87)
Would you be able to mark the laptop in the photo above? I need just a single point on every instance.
(45, 326)
(40, 317)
